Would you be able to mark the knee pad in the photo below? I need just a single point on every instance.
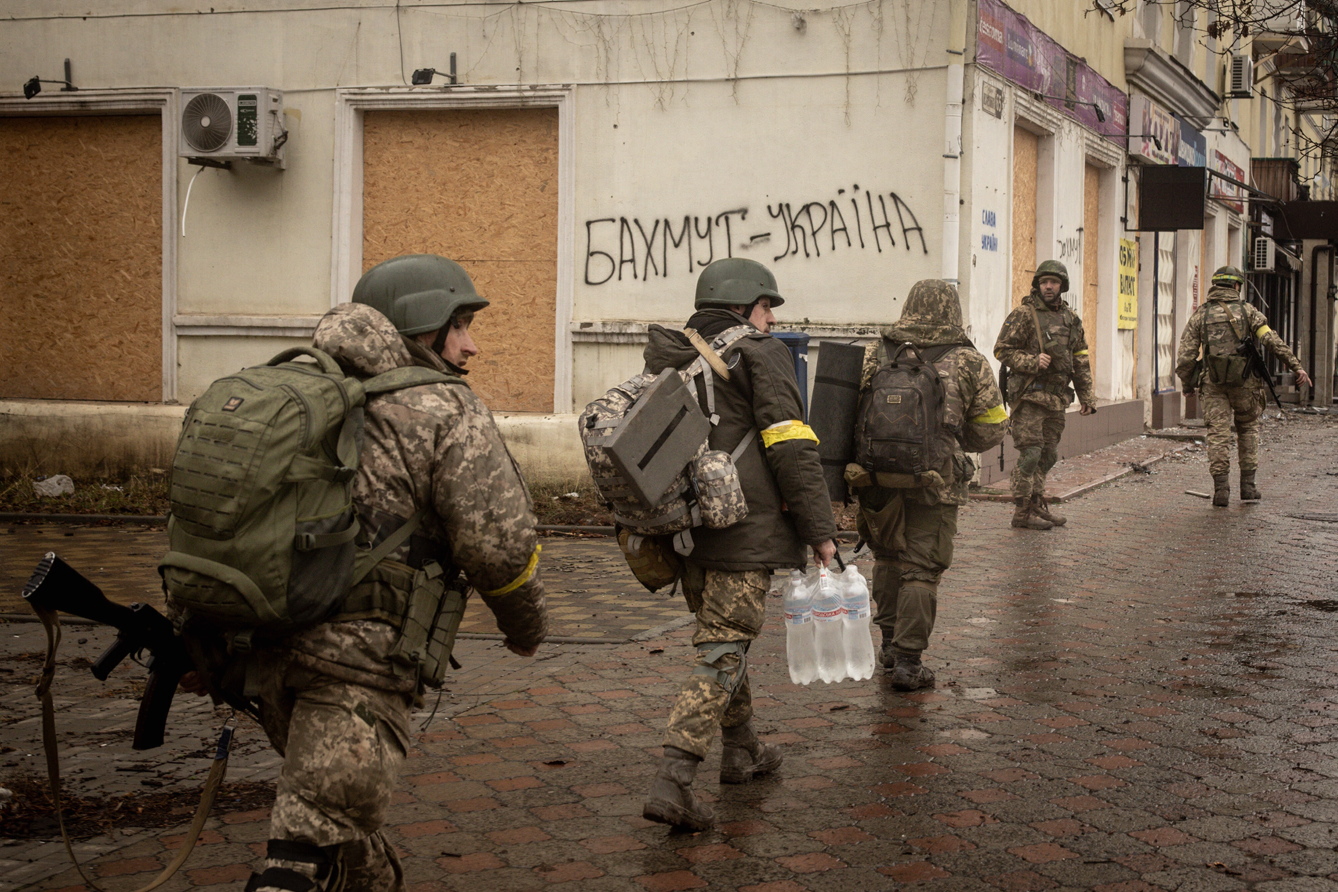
(1029, 460)
(1049, 456)
(710, 656)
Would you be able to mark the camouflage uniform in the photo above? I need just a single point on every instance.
(1039, 397)
(331, 701)
(910, 528)
(728, 572)
(1217, 328)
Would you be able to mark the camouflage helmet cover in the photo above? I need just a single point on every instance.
(418, 293)
(735, 282)
(1051, 268)
(1229, 275)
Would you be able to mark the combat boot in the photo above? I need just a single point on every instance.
(1041, 508)
(671, 800)
(909, 674)
(745, 757)
(887, 654)
(1024, 519)
(1248, 491)
(1221, 491)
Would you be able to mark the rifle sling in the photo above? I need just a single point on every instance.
(51, 623)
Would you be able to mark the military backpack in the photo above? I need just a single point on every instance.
(262, 531)
(901, 425)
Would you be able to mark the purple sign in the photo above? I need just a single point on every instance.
(1010, 45)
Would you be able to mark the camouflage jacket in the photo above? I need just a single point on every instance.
(435, 447)
(974, 410)
(1218, 326)
(780, 472)
(1019, 348)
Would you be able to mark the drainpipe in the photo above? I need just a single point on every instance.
(1314, 312)
(952, 167)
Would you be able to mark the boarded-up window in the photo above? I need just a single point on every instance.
(479, 187)
(81, 234)
(1091, 242)
(1025, 160)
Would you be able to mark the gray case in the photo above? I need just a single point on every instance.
(658, 437)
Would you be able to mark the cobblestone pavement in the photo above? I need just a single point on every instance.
(1142, 700)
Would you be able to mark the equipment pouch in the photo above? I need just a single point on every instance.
(429, 625)
(652, 559)
(719, 493)
(1227, 370)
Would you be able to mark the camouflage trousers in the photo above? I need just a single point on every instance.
(342, 746)
(912, 546)
(1036, 431)
(730, 607)
(1225, 408)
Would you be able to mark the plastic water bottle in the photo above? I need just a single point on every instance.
(855, 631)
(799, 647)
(828, 622)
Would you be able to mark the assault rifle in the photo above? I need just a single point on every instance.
(56, 586)
(1254, 364)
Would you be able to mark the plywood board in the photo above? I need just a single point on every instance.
(81, 233)
(1026, 147)
(1091, 242)
(479, 187)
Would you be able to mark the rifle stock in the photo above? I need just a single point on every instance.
(1254, 364)
(56, 586)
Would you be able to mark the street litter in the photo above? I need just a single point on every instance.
(59, 485)
(1195, 492)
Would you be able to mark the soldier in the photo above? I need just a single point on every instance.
(910, 523)
(331, 698)
(1232, 394)
(728, 573)
(1043, 346)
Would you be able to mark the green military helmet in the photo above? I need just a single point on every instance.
(735, 282)
(1051, 268)
(1230, 276)
(418, 293)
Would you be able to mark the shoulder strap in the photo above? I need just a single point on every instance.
(1040, 332)
(367, 560)
(408, 376)
(712, 358)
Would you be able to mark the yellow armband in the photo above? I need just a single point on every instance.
(524, 577)
(994, 416)
(1080, 353)
(787, 430)
(1261, 331)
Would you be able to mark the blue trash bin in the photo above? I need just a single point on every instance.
(797, 342)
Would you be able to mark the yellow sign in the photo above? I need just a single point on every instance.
(1128, 284)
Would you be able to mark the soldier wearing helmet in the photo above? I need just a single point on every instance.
(1043, 345)
(1210, 361)
(728, 571)
(335, 699)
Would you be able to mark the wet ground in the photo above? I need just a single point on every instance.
(1142, 700)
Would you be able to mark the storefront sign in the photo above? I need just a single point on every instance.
(1010, 45)
(1230, 195)
(1128, 284)
(1156, 136)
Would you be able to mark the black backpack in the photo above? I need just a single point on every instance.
(900, 428)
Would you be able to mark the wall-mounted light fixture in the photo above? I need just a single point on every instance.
(33, 85)
(1156, 141)
(1100, 115)
(423, 76)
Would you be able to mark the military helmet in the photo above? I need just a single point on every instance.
(1230, 276)
(418, 293)
(1051, 268)
(735, 282)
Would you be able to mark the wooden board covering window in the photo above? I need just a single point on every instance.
(1091, 242)
(1025, 159)
(81, 234)
(479, 187)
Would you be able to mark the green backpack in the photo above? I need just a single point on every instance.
(262, 531)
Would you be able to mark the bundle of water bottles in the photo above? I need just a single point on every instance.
(827, 618)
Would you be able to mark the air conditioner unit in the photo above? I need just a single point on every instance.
(1262, 258)
(1240, 76)
(232, 123)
